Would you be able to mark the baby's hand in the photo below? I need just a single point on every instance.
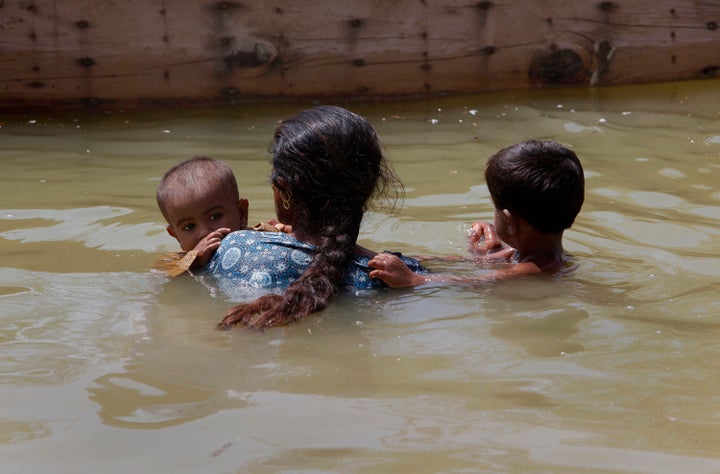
(284, 228)
(393, 271)
(483, 239)
(208, 245)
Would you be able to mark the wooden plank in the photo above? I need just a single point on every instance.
(134, 52)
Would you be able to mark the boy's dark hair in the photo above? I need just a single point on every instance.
(541, 181)
(198, 171)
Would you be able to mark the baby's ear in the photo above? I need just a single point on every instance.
(242, 206)
(171, 231)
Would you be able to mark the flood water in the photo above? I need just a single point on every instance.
(106, 366)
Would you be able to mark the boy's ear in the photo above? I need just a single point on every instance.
(511, 223)
(171, 231)
(242, 206)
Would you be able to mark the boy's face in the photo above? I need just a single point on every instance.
(202, 211)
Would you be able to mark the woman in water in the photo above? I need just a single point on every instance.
(327, 164)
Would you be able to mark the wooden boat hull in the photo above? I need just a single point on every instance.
(136, 52)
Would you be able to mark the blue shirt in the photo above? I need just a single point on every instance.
(275, 260)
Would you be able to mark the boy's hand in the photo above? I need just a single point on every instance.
(393, 271)
(208, 245)
(483, 239)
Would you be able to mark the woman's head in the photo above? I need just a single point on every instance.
(327, 163)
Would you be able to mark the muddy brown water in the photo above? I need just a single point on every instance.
(108, 367)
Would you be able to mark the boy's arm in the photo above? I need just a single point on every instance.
(483, 242)
(393, 271)
(483, 239)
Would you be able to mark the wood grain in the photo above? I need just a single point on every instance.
(86, 53)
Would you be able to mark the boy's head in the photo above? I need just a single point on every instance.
(540, 181)
(198, 196)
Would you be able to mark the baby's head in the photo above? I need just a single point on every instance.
(198, 196)
(541, 181)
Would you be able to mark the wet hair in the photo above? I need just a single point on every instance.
(541, 181)
(197, 172)
(330, 162)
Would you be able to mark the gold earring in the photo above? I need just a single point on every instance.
(284, 198)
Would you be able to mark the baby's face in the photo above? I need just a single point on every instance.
(194, 216)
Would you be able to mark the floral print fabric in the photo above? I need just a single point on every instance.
(276, 259)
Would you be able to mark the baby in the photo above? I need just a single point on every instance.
(537, 188)
(200, 201)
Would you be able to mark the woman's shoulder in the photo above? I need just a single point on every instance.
(260, 259)
(251, 237)
(275, 260)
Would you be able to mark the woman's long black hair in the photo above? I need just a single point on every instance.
(329, 162)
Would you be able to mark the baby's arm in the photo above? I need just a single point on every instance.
(272, 225)
(207, 246)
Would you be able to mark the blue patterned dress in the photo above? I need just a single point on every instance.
(274, 260)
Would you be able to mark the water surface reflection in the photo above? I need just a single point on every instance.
(610, 368)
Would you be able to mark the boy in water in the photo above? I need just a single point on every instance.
(200, 201)
(538, 188)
